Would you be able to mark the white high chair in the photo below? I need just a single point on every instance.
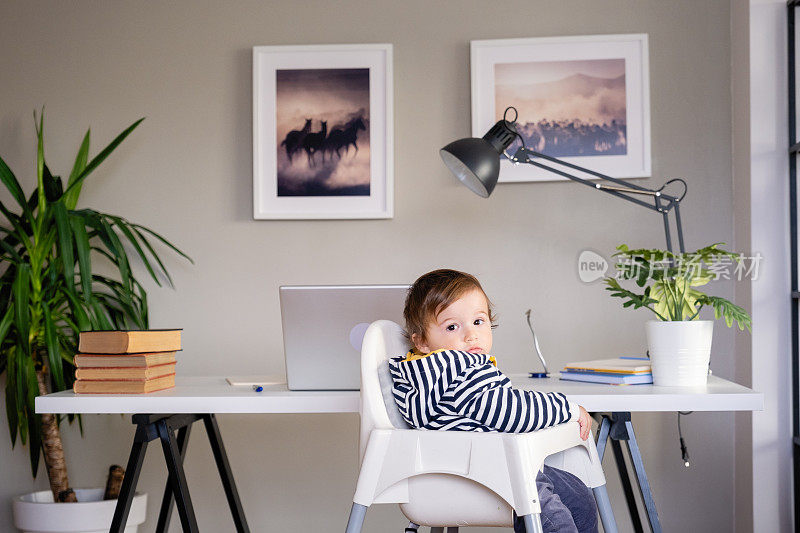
(455, 478)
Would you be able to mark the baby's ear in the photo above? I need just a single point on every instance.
(419, 343)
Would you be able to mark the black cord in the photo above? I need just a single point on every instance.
(685, 187)
(684, 449)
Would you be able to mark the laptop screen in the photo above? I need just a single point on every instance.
(323, 326)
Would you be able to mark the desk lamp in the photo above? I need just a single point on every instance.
(476, 162)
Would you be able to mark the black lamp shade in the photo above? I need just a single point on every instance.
(476, 162)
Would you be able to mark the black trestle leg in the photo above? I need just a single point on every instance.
(627, 488)
(641, 476)
(180, 488)
(225, 474)
(128, 488)
(165, 513)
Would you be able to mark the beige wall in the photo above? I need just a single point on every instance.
(186, 171)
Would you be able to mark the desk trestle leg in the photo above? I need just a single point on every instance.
(128, 488)
(619, 428)
(162, 427)
(180, 488)
(225, 474)
(627, 487)
(165, 513)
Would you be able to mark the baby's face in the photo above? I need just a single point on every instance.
(463, 325)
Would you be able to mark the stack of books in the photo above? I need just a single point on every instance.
(118, 362)
(619, 371)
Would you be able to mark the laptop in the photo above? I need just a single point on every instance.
(323, 326)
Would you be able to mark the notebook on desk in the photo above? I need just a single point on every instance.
(323, 326)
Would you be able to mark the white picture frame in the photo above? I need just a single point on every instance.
(295, 88)
(545, 77)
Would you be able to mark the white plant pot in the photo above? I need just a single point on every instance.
(37, 513)
(679, 351)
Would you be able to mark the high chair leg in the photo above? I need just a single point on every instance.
(604, 508)
(356, 520)
(437, 530)
(452, 530)
(411, 528)
(533, 524)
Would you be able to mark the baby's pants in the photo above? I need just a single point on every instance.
(567, 504)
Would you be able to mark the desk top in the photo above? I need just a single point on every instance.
(214, 395)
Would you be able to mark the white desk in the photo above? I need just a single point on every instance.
(214, 395)
(203, 395)
(158, 415)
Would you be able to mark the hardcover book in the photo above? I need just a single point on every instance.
(124, 386)
(96, 360)
(130, 341)
(608, 378)
(619, 365)
(123, 373)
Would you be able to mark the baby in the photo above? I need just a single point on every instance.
(449, 381)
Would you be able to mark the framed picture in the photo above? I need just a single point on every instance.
(584, 100)
(322, 132)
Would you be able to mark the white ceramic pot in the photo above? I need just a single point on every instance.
(37, 513)
(679, 351)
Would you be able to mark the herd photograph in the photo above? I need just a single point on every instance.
(566, 108)
(322, 122)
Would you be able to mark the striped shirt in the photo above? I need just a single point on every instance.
(462, 391)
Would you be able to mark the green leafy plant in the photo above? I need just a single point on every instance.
(51, 289)
(670, 282)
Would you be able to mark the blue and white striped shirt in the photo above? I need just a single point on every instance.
(462, 391)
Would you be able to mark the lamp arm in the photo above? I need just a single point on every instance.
(662, 203)
(591, 184)
(527, 151)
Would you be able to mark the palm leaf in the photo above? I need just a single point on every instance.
(11, 183)
(71, 198)
(115, 246)
(20, 232)
(84, 261)
(5, 326)
(99, 313)
(78, 312)
(40, 162)
(65, 243)
(34, 420)
(11, 394)
(99, 158)
(22, 360)
(53, 353)
(164, 241)
(21, 289)
(122, 224)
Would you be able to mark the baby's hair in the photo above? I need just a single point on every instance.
(433, 292)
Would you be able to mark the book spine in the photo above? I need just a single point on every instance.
(609, 374)
(135, 380)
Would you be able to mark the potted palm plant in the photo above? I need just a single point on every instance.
(679, 342)
(50, 290)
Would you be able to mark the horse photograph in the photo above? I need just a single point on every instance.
(322, 132)
(567, 108)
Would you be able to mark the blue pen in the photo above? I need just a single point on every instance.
(258, 388)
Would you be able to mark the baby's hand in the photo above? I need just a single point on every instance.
(585, 423)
